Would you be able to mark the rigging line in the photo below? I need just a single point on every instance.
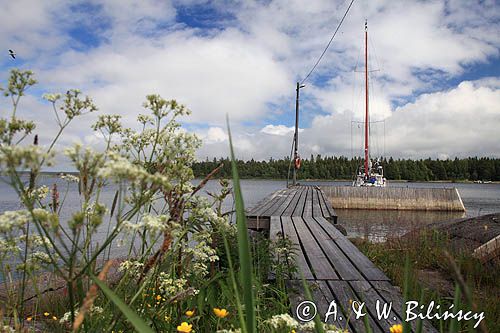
(328, 45)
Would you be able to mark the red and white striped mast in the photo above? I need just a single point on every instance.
(367, 175)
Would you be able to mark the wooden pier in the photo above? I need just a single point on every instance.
(333, 267)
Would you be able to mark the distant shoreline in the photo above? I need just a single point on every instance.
(462, 181)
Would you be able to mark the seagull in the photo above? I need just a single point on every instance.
(12, 54)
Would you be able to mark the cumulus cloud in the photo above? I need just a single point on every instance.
(280, 130)
(246, 66)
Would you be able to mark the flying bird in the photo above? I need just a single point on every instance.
(12, 54)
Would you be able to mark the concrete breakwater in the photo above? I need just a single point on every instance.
(393, 198)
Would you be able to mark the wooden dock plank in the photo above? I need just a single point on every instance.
(264, 204)
(392, 294)
(300, 205)
(301, 262)
(358, 259)
(321, 267)
(323, 293)
(344, 296)
(291, 207)
(367, 294)
(275, 232)
(308, 203)
(330, 212)
(279, 209)
(316, 205)
(343, 266)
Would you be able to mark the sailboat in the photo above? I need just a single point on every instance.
(369, 174)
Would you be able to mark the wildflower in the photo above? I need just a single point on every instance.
(70, 178)
(158, 297)
(29, 318)
(397, 328)
(46, 314)
(10, 220)
(282, 320)
(51, 97)
(54, 318)
(221, 313)
(184, 327)
(189, 313)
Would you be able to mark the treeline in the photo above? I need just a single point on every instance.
(318, 167)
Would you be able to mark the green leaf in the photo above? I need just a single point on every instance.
(132, 317)
(246, 270)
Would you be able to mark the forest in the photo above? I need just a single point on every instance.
(332, 167)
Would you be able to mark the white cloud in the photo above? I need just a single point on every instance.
(248, 67)
(280, 130)
(213, 135)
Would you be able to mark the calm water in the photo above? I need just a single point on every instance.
(375, 225)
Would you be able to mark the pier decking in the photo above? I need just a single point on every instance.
(334, 268)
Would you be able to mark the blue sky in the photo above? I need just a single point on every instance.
(437, 87)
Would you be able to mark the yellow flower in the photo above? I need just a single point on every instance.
(221, 313)
(158, 297)
(54, 317)
(29, 319)
(189, 313)
(46, 314)
(184, 327)
(398, 328)
(292, 331)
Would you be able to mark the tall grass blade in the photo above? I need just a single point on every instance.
(454, 327)
(246, 270)
(318, 325)
(406, 292)
(132, 317)
(235, 286)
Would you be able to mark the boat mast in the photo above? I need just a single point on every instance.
(367, 175)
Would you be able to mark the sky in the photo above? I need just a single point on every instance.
(434, 85)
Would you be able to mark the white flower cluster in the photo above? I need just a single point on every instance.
(24, 157)
(153, 224)
(10, 220)
(35, 261)
(170, 287)
(35, 241)
(9, 247)
(119, 169)
(70, 178)
(109, 123)
(39, 193)
(201, 252)
(285, 321)
(133, 267)
(8, 329)
(328, 328)
(282, 321)
(51, 97)
(45, 216)
(86, 161)
(66, 318)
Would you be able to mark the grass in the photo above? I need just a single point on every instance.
(427, 253)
